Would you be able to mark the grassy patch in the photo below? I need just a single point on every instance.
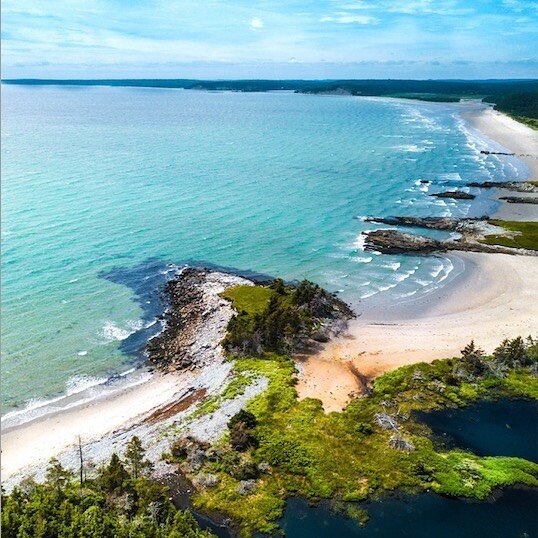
(525, 234)
(250, 299)
(236, 387)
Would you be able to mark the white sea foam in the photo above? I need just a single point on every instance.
(82, 353)
(112, 332)
(360, 241)
(411, 148)
(79, 390)
(361, 259)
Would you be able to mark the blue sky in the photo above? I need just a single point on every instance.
(272, 39)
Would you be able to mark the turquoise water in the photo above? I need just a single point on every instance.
(104, 187)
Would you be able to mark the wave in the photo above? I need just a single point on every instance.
(411, 148)
(79, 390)
(112, 332)
(361, 259)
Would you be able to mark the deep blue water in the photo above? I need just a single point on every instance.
(489, 428)
(512, 515)
(497, 428)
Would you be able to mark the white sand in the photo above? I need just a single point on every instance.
(39, 440)
(518, 138)
(514, 136)
(499, 300)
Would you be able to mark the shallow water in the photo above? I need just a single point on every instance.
(489, 428)
(103, 188)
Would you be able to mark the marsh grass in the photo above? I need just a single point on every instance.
(525, 235)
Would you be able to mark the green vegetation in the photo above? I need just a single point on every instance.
(524, 234)
(115, 503)
(279, 447)
(275, 318)
(250, 299)
(522, 106)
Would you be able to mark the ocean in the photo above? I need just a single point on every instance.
(106, 192)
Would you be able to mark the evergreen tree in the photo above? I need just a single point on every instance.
(134, 458)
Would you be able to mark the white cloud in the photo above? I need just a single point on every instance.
(344, 18)
(256, 23)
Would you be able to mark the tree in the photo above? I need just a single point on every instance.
(248, 418)
(57, 475)
(512, 353)
(473, 362)
(134, 458)
(114, 475)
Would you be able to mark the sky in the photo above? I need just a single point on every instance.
(216, 39)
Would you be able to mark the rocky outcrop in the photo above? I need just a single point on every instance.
(196, 320)
(518, 186)
(520, 199)
(456, 195)
(395, 242)
(486, 152)
(434, 223)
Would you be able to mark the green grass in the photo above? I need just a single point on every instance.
(525, 234)
(251, 299)
(320, 456)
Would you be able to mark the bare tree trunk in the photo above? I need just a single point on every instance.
(81, 460)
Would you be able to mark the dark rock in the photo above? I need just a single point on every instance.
(456, 195)
(486, 152)
(184, 315)
(519, 186)
(520, 199)
(395, 242)
(434, 223)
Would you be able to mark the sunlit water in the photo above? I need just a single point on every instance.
(103, 188)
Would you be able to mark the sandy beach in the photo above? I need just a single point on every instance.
(43, 438)
(517, 138)
(495, 297)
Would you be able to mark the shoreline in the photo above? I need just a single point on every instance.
(147, 409)
(517, 138)
(494, 296)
